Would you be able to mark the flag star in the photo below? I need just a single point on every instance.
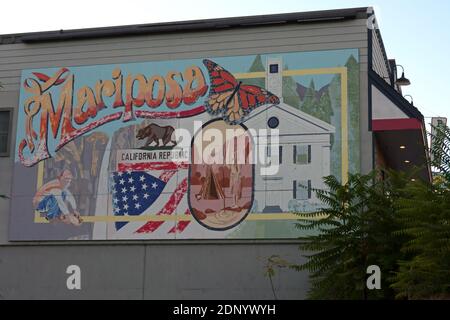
(154, 185)
(124, 198)
(121, 181)
(124, 190)
(117, 210)
(142, 179)
(130, 180)
(146, 195)
(132, 188)
(129, 170)
(137, 205)
(115, 200)
(144, 186)
(120, 174)
(135, 197)
(125, 207)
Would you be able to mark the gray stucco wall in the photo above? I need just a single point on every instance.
(149, 271)
(158, 270)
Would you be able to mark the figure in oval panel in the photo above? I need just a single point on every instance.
(221, 175)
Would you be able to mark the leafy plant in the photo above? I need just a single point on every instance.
(424, 214)
(353, 231)
(400, 224)
(272, 263)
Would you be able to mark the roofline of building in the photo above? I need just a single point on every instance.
(184, 26)
(325, 126)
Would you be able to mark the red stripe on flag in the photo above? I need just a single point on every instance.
(166, 175)
(168, 208)
(181, 225)
(152, 166)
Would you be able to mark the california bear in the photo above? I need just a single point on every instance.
(154, 133)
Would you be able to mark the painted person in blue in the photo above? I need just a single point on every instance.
(56, 201)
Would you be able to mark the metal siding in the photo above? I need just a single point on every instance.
(198, 34)
(11, 83)
(7, 100)
(379, 62)
(15, 57)
(22, 49)
(267, 42)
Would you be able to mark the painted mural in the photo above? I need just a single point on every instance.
(213, 148)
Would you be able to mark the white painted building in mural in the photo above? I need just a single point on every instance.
(303, 157)
(303, 154)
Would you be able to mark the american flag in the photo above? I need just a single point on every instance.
(150, 188)
(134, 192)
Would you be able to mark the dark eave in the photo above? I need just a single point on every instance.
(394, 96)
(184, 26)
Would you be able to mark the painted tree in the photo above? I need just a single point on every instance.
(290, 94)
(257, 66)
(321, 107)
(334, 90)
(309, 100)
(353, 112)
(324, 109)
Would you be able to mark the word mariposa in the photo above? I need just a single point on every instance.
(74, 109)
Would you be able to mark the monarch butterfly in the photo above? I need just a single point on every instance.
(231, 98)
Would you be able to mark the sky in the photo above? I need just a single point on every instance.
(415, 33)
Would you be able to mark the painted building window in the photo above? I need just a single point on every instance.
(273, 68)
(302, 189)
(5, 117)
(269, 154)
(280, 153)
(273, 122)
(302, 154)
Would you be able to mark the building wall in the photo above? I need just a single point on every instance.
(379, 63)
(161, 269)
(149, 271)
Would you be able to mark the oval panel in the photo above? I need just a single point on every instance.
(221, 175)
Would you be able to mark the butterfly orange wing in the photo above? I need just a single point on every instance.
(233, 107)
(223, 84)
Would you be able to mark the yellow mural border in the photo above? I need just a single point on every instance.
(342, 71)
